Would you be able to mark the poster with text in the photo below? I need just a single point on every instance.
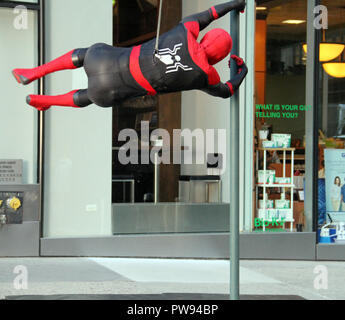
(335, 181)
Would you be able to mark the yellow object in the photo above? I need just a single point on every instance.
(294, 21)
(335, 69)
(322, 135)
(1, 201)
(15, 203)
(328, 51)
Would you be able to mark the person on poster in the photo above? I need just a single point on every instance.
(336, 194)
(343, 198)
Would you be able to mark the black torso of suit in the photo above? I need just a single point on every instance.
(116, 74)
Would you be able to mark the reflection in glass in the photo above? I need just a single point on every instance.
(18, 128)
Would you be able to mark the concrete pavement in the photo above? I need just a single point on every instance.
(58, 276)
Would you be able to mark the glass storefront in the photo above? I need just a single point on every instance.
(90, 192)
(331, 126)
(169, 196)
(280, 79)
(280, 111)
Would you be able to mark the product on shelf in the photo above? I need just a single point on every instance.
(268, 144)
(270, 176)
(269, 204)
(267, 214)
(285, 214)
(282, 204)
(281, 140)
(280, 180)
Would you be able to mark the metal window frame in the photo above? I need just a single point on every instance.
(28, 5)
(312, 135)
(39, 8)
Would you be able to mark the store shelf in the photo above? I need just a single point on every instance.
(285, 220)
(276, 149)
(265, 185)
(296, 157)
(276, 185)
(279, 220)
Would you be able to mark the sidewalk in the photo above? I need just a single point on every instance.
(101, 276)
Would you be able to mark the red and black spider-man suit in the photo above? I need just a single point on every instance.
(115, 74)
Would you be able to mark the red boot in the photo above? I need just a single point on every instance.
(25, 76)
(43, 103)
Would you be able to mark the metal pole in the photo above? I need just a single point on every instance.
(156, 178)
(311, 121)
(234, 170)
(41, 118)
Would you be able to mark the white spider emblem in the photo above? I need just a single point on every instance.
(172, 59)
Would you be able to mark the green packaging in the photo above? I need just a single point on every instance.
(281, 140)
(282, 204)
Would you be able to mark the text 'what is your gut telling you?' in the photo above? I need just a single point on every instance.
(280, 111)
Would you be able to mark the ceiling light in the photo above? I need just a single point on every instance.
(261, 8)
(328, 50)
(335, 69)
(294, 21)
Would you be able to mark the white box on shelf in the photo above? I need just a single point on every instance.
(282, 204)
(269, 204)
(285, 213)
(281, 180)
(262, 214)
(267, 214)
(281, 140)
(270, 176)
(268, 144)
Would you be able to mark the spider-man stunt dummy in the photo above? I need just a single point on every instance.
(115, 74)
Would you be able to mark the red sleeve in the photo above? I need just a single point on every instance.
(213, 76)
(193, 27)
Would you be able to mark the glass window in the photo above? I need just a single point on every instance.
(331, 158)
(280, 75)
(183, 194)
(18, 128)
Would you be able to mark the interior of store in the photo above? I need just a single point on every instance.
(280, 98)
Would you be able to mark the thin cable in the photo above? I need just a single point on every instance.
(159, 25)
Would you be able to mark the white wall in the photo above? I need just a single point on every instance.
(78, 141)
(200, 110)
(18, 128)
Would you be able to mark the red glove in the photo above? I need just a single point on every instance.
(239, 61)
(236, 81)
